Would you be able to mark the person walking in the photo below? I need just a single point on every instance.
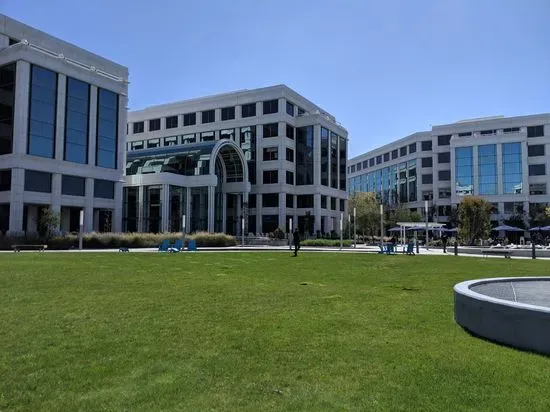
(296, 241)
(444, 242)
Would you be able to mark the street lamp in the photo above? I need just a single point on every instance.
(81, 228)
(381, 222)
(354, 228)
(341, 228)
(290, 233)
(426, 212)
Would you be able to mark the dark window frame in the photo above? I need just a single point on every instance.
(190, 119)
(208, 116)
(154, 125)
(272, 106)
(170, 124)
(228, 113)
(249, 108)
(270, 127)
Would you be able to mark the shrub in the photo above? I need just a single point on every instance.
(325, 242)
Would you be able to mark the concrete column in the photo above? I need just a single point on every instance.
(92, 126)
(16, 201)
(4, 41)
(60, 117)
(259, 213)
(180, 120)
(282, 211)
(121, 142)
(239, 213)
(224, 213)
(89, 206)
(317, 212)
(317, 155)
(475, 170)
(117, 212)
(211, 206)
(21, 113)
(282, 107)
(56, 195)
(500, 183)
(165, 208)
(140, 205)
(218, 115)
(188, 209)
(238, 115)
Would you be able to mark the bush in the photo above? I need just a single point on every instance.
(325, 242)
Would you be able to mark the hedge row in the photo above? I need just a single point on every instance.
(325, 242)
(117, 240)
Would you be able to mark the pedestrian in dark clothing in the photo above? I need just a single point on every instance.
(444, 242)
(296, 241)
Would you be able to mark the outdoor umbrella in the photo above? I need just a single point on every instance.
(544, 228)
(535, 229)
(394, 229)
(507, 228)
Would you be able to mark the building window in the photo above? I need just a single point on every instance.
(271, 106)
(365, 164)
(304, 155)
(228, 113)
(358, 165)
(343, 160)
(271, 153)
(510, 130)
(513, 207)
(252, 201)
(379, 159)
(535, 131)
(73, 185)
(270, 200)
(77, 108)
(152, 143)
(248, 110)
(304, 201)
(38, 181)
(289, 200)
(427, 162)
(228, 134)
(386, 157)
(208, 116)
(271, 177)
(138, 127)
(290, 131)
(289, 155)
(189, 119)
(333, 203)
(171, 141)
(301, 111)
(537, 189)
(444, 175)
(323, 202)
(104, 189)
(324, 156)
(394, 154)
(172, 122)
(371, 162)
(537, 170)
(271, 130)
(107, 129)
(487, 132)
(412, 148)
(403, 151)
(511, 168)
(342, 205)
(248, 145)
(289, 177)
(5, 180)
(188, 138)
(289, 109)
(464, 173)
(351, 169)
(42, 112)
(208, 136)
(138, 145)
(487, 169)
(465, 134)
(444, 157)
(444, 140)
(535, 150)
(154, 125)
(445, 193)
(426, 145)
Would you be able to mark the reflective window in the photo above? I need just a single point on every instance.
(358, 165)
(189, 119)
(38, 181)
(107, 129)
(342, 205)
(271, 106)
(248, 145)
(208, 136)
(208, 116)
(271, 153)
(73, 185)
(487, 132)
(537, 170)
(271, 130)
(270, 200)
(172, 122)
(343, 160)
(445, 193)
(386, 157)
(371, 162)
(394, 154)
(511, 168)
(351, 169)
(290, 131)
(7, 104)
(427, 179)
(535, 150)
(154, 125)
(427, 162)
(248, 110)
(444, 175)
(411, 180)
(412, 148)
(365, 164)
(76, 121)
(426, 145)
(289, 108)
(465, 134)
(104, 189)
(138, 127)
(42, 112)
(289, 154)
(324, 156)
(188, 138)
(444, 157)
(304, 155)
(537, 188)
(444, 140)
(152, 143)
(403, 151)
(379, 159)
(535, 131)
(487, 169)
(304, 201)
(227, 134)
(138, 145)
(463, 171)
(5, 180)
(289, 178)
(171, 141)
(228, 113)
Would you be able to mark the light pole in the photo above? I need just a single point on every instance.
(81, 229)
(349, 226)
(426, 212)
(341, 228)
(242, 231)
(183, 229)
(354, 228)
(290, 233)
(381, 223)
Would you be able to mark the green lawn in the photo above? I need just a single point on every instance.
(253, 332)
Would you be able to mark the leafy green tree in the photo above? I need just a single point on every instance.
(401, 214)
(47, 223)
(516, 220)
(367, 212)
(475, 217)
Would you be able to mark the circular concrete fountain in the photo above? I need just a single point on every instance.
(512, 311)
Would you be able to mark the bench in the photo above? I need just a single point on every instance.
(40, 248)
(496, 252)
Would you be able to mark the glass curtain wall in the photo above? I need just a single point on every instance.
(304, 156)
(411, 179)
(152, 209)
(464, 176)
(324, 156)
(511, 168)
(107, 129)
(130, 209)
(42, 112)
(334, 160)
(487, 169)
(177, 199)
(343, 159)
(248, 145)
(199, 209)
(76, 121)
(7, 105)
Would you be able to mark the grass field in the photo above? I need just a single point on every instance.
(252, 332)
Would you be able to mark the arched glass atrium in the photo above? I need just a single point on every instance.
(205, 183)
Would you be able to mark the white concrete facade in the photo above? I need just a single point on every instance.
(438, 181)
(288, 109)
(27, 47)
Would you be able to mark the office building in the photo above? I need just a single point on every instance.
(503, 159)
(259, 157)
(62, 129)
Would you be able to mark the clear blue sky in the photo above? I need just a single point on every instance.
(384, 68)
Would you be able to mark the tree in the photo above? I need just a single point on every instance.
(367, 212)
(539, 215)
(401, 214)
(47, 223)
(475, 217)
(453, 219)
(516, 220)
